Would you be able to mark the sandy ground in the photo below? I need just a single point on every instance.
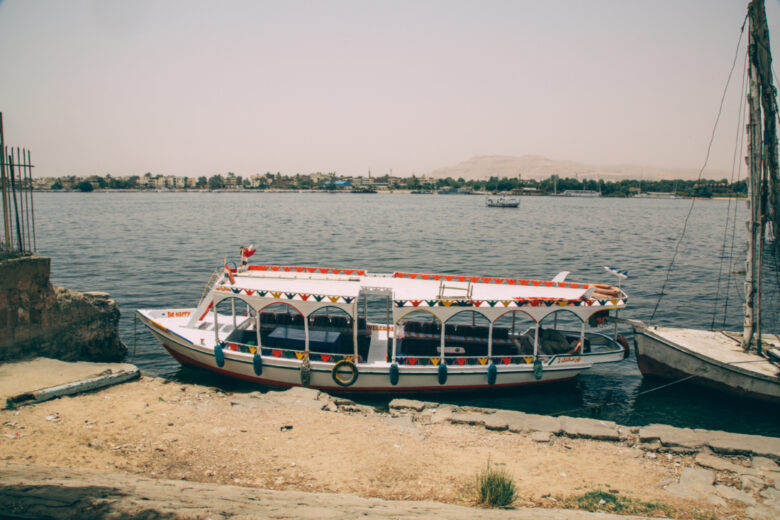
(285, 441)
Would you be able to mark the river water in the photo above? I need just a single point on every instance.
(158, 250)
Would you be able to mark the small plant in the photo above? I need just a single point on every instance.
(495, 487)
(612, 503)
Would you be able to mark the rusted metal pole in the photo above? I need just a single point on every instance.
(23, 196)
(32, 204)
(4, 182)
(16, 205)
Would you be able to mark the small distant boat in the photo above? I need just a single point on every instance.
(581, 193)
(502, 201)
(658, 195)
(283, 326)
(745, 363)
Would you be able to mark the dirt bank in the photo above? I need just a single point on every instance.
(296, 441)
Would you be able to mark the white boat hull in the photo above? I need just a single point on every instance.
(372, 378)
(661, 352)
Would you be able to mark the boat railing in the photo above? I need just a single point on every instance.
(208, 284)
(513, 359)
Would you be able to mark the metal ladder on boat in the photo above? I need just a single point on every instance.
(466, 290)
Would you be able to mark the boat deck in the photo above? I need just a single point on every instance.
(403, 286)
(724, 347)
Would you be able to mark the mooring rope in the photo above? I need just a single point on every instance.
(736, 164)
(701, 170)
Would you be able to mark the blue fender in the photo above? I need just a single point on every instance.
(538, 368)
(492, 373)
(257, 364)
(394, 374)
(219, 355)
(442, 373)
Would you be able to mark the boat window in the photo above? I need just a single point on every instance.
(559, 333)
(419, 335)
(334, 327)
(513, 334)
(466, 335)
(235, 322)
(282, 327)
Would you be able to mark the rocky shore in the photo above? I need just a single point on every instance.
(39, 319)
(308, 444)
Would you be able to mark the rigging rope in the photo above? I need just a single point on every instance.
(701, 171)
(736, 164)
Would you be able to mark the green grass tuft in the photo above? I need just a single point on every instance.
(611, 503)
(495, 487)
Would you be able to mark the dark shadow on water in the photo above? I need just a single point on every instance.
(699, 407)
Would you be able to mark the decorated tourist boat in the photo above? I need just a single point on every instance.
(350, 330)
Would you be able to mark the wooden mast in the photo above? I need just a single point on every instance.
(754, 165)
(763, 196)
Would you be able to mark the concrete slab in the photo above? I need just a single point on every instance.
(519, 422)
(694, 483)
(541, 436)
(407, 404)
(467, 418)
(735, 494)
(496, 422)
(761, 512)
(707, 460)
(765, 464)
(589, 428)
(42, 379)
(671, 436)
(742, 444)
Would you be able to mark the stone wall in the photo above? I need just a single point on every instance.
(38, 319)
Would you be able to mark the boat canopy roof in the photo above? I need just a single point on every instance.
(406, 289)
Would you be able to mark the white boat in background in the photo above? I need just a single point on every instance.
(349, 330)
(502, 201)
(581, 193)
(742, 363)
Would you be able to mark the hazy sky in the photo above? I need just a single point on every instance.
(202, 87)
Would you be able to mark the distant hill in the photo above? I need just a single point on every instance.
(538, 167)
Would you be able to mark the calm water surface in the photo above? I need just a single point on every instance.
(159, 249)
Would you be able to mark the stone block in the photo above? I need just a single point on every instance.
(734, 494)
(762, 512)
(541, 436)
(751, 483)
(589, 428)
(467, 418)
(764, 463)
(519, 422)
(496, 422)
(771, 494)
(707, 460)
(694, 483)
(671, 436)
(742, 444)
(407, 404)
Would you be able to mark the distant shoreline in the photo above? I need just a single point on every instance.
(387, 192)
